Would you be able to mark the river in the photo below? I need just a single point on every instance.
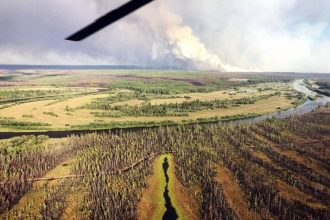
(304, 108)
(298, 85)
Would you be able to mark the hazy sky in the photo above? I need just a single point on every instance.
(231, 35)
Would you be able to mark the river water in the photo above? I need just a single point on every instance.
(298, 85)
(306, 107)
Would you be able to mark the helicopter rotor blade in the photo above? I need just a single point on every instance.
(108, 19)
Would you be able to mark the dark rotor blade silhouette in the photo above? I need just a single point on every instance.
(108, 19)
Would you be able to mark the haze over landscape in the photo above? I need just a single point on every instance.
(286, 35)
(215, 109)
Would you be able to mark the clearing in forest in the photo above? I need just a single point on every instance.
(30, 205)
(165, 195)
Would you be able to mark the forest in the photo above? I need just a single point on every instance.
(177, 109)
(273, 169)
(323, 87)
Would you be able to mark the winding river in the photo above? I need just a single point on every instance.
(306, 107)
(298, 85)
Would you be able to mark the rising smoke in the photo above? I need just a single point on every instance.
(272, 35)
(173, 40)
(186, 46)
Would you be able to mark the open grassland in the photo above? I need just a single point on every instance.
(56, 113)
(84, 99)
(63, 114)
(274, 169)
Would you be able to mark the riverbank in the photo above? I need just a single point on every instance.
(307, 106)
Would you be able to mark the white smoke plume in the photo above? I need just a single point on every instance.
(183, 44)
(272, 35)
(186, 46)
(171, 40)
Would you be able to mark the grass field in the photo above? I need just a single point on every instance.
(60, 116)
(57, 115)
(63, 100)
(62, 119)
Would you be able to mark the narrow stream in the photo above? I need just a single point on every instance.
(170, 213)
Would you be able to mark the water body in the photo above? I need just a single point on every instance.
(306, 107)
(170, 213)
(298, 85)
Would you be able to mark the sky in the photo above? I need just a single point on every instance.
(223, 35)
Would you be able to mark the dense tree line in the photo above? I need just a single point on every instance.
(12, 123)
(15, 94)
(177, 109)
(197, 150)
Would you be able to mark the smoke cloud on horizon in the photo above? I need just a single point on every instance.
(224, 35)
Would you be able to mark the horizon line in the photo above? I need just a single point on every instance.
(130, 67)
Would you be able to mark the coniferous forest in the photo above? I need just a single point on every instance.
(274, 169)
